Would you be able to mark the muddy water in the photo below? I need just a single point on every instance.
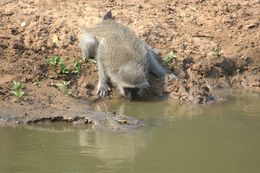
(181, 138)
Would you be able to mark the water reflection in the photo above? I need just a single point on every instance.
(112, 147)
(172, 111)
(152, 110)
(63, 143)
(109, 146)
(249, 103)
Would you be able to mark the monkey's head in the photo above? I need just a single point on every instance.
(132, 93)
(132, 80)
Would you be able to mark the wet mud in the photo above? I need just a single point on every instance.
(214, 49)
(83, 119)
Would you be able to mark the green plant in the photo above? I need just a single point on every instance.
(63, 68)
(64, 86)
(76, 67)
(37, 82)
(18, 94)
(216, 52)
(17, 88)
(93, 60)
(169, 58)
(53, 60)
(85, 59)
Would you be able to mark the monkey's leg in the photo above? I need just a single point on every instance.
(156, 67)
(88, 45)
(102, 89)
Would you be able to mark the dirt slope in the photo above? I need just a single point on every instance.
(214, 46)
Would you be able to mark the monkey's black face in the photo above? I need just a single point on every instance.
(131, 93)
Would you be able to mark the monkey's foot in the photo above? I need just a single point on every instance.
(103, 90)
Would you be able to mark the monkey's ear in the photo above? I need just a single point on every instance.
(108, 16)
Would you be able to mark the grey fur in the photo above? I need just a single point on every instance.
(88, 45)
(122, 58)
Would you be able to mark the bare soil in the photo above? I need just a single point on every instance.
(216, 43)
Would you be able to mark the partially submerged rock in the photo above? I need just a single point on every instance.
(89, 119)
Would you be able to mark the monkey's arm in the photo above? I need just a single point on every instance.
(102, 89)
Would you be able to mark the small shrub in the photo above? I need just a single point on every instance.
(63, 68)
(216, 52)
(76, 67)
(53, 60)
(37, 82)
(169, 58)
(93, 60)
(17, 88)
(64, 86)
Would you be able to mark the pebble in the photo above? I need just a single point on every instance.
(23, 24)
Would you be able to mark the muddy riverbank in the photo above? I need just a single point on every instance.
(29, 115)
(213, 47)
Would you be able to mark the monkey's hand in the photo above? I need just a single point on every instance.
(103, 90)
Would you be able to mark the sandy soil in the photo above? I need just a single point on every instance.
(216, 43)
